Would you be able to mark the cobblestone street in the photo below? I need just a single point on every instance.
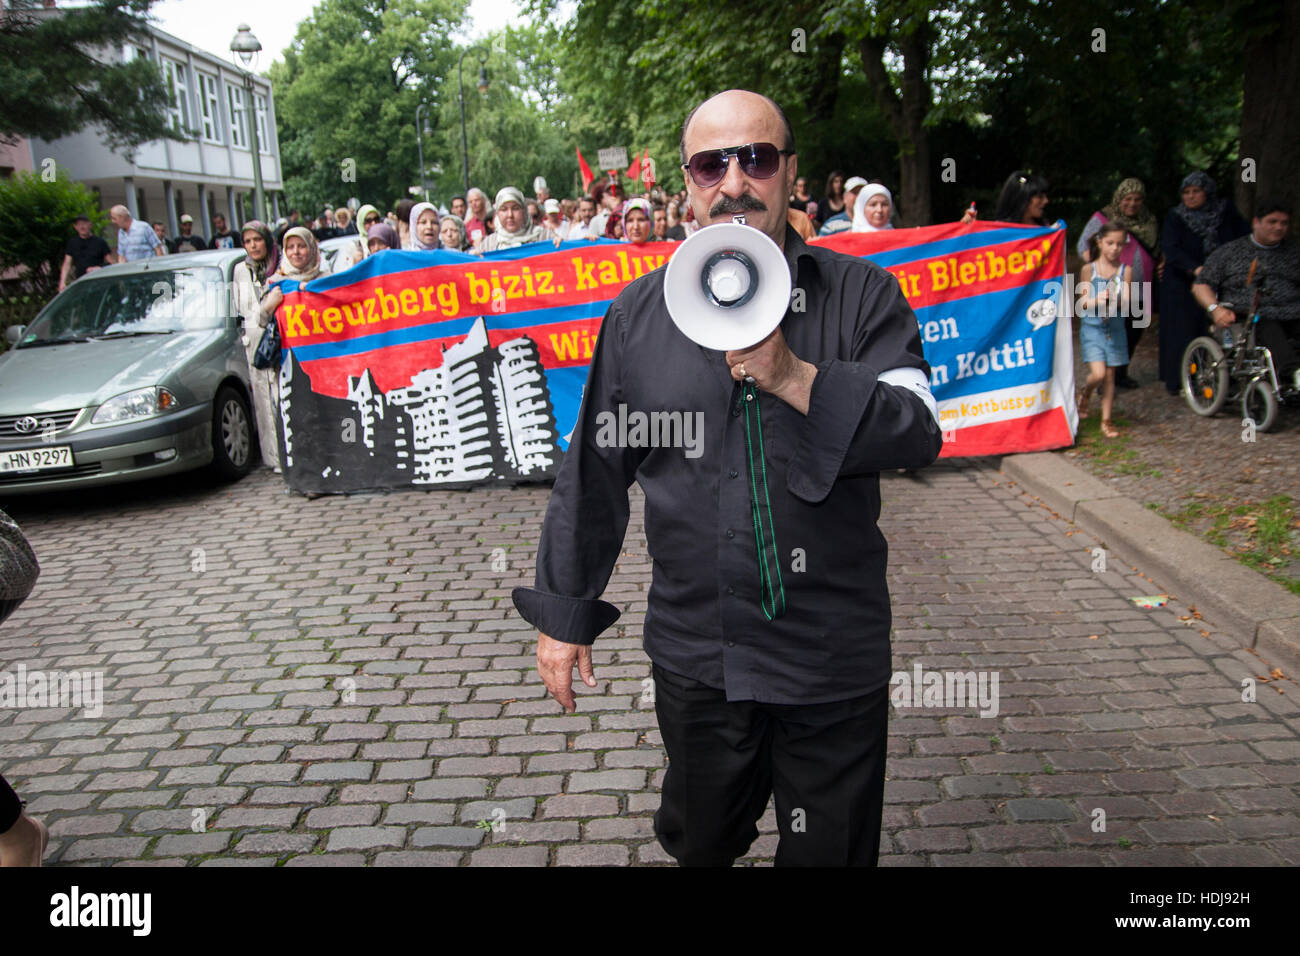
(344, 680)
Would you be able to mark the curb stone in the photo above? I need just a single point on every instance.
(1261, 614)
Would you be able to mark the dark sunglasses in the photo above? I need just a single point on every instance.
(757, 161)
(371, 219)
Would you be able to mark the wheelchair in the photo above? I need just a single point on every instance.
(1228, 365)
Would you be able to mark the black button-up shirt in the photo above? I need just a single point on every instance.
(704, 617)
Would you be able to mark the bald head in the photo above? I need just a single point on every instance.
(727, 106)
(120, 216)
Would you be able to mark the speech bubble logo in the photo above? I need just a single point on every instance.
(1042, 313)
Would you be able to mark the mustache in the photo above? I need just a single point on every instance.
(735, 204)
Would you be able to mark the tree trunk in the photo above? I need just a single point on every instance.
(1270, 115)
(906, 115)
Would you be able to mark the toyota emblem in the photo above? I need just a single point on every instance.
(26, 425)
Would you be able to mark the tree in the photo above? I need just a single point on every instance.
(36, 223)
(347, 92)
(51, 84)
(1270, 116)
(514, 130)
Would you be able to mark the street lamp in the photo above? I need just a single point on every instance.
(482, 88)
(420, 133)
(247, 47)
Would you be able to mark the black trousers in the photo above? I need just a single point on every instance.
(1274, 336)
(825, 763)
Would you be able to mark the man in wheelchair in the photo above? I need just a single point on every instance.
(1259, 275)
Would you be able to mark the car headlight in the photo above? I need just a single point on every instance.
(140, 403)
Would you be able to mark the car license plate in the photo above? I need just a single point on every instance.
(36, 459)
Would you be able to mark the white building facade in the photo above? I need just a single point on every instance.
(211, 170)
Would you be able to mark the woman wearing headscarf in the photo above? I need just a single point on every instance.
(452, 233)
(1193, 229)
(872, 209)
(638, 221)
(381, 236)
(424, 226)
(367, 216)
(1140, 257)
(261, 261)
(514, 226)
(300, 260)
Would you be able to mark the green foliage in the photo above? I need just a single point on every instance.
(348, 89)
(51, 86)
(36, 224)
(513, 131)
(1003, 86)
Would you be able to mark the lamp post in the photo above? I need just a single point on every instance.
(420, 133)
(247, 47)
(482, 88)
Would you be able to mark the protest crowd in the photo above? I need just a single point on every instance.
(1133, 264)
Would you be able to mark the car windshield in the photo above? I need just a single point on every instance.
(142, 303)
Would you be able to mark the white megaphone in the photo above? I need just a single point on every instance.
(727, 286)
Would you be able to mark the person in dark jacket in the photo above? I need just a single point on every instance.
(1193, 229)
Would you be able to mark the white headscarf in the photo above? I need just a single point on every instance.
(860, 223)
(418, 208)
(528, 230)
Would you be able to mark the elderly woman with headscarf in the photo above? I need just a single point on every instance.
(452, 233)
(514, 226)
(250, 280)
(872, 209)
(300, 260)
(1193, 229)
(424, 227)
(1140, 256)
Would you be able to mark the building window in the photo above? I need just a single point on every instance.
(178, 91)
(211, 105)
(263, 140)
(238, 131)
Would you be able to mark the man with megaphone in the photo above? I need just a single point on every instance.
(767, 621)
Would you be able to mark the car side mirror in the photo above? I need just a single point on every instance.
(14, 333)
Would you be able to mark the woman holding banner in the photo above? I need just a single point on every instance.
(872, 209)
(424, 227)
(514, 226)
(1023, 200)
(452, 233)
(250, 282)
(300, 262)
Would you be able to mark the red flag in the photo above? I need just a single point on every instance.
(634, 171)
(587, 177)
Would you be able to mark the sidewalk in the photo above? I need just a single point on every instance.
(344, 681)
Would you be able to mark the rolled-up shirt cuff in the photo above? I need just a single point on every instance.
(573, 620)
(839, 397)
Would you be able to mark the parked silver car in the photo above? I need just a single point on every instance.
(134, 371)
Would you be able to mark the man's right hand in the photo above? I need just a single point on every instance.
(1224, 317)
(555, 660)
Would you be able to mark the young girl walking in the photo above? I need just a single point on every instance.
(1103, 307)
